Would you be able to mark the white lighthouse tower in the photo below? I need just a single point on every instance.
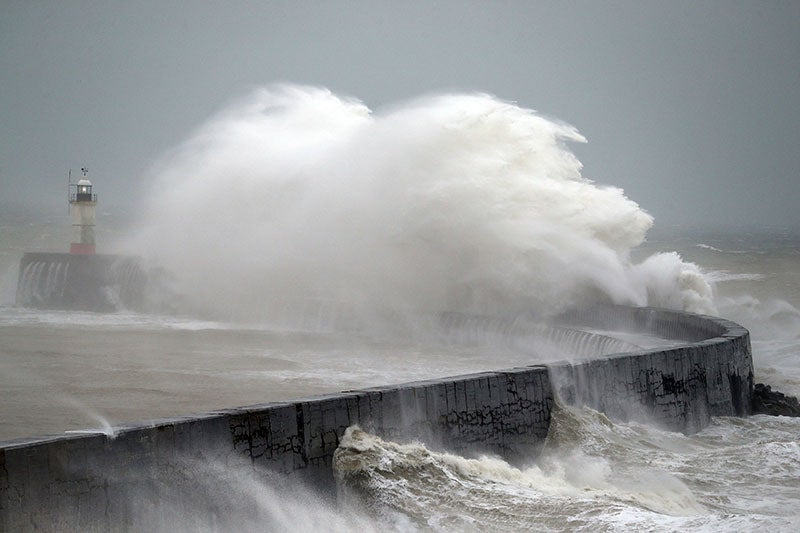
(82, 203)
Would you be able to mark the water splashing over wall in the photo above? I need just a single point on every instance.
(453, 202)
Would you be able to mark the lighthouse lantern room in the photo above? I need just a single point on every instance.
(82, 203)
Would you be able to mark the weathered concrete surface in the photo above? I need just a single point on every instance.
(679, 388)
(85, 482)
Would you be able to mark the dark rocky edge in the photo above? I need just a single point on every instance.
(769, 402)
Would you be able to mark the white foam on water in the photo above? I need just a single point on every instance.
(718, 276)
(20, 316)
(708, 247)
(489, 492)
(594, 474)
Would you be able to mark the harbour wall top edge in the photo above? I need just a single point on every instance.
(715, 330)
(94, 481)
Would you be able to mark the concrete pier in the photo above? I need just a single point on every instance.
(101, 283)
(80, 482)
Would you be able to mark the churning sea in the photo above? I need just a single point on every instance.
(73, 371)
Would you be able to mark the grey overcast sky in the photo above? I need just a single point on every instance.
(692, 107)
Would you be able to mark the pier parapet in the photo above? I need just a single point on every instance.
(97, 481)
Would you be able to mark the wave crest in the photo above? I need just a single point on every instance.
(454, 202)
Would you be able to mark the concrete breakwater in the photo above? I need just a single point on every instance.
(80, 282)
(98, 481)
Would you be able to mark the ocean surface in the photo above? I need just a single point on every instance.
(460, 203)
(64, 371)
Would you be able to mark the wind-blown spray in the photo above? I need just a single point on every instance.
(454, 202)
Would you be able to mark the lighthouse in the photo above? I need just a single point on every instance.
(81, 280)
(82, 203)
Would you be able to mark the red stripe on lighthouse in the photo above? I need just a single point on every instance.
(80, 248)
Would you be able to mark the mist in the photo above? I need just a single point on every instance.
(457, 202)
(690, 107)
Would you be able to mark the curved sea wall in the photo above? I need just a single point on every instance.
(98, 481)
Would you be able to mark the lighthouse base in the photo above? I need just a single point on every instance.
(85, 282)
(80, 248)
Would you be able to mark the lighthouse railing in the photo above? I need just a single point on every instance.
(78, 197)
